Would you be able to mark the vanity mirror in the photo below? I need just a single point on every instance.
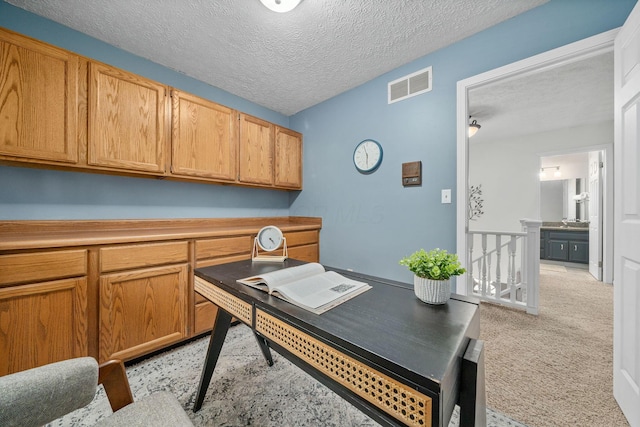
(564, 199)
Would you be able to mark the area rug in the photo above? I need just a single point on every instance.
(244, 391)
(555, 369)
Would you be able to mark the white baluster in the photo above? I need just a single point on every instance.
(484, 264)
(498, 263)
(470, 239)
(512, 267)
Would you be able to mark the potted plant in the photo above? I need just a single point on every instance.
(432, 272)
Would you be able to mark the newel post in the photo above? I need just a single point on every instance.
(531, 265)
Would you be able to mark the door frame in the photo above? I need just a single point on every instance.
(606, 200)
(577, 51)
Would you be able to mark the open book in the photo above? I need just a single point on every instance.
(308, 286)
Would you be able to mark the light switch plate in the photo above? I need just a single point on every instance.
(446, 195)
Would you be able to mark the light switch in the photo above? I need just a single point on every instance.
(446, 195)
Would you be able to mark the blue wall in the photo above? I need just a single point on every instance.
(45, 194)
(371, 221)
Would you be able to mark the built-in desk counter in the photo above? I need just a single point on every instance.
(88, 280)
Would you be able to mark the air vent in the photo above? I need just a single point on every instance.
(411, 85)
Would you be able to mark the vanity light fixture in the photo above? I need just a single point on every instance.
(281, 6)
(556, 173)
(473, 127)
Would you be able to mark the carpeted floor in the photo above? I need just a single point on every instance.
(555, 369)
(244, 391)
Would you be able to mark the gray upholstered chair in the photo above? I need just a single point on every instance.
(37, 396)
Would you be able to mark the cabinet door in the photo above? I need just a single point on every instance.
(142, 310)
(42, 323)
(288, 156)
(127, 120)
(204, 138)
(38, 100)
(256, 150)
(304, 245)
(558, 250)
(579, 252)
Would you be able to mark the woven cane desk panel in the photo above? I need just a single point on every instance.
(224, 300)
(398, 400)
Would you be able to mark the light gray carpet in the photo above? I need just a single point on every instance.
(555, 369)
(244, 391)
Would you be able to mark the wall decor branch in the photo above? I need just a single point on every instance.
(475, 202)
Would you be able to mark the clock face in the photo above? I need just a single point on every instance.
(367, 156)
(269, 238)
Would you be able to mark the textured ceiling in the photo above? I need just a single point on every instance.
(285, 62)
(563, 97)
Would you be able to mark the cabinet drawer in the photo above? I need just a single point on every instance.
(135, 256)
(39, 266)
(212, 248)
(222, 260)
(301, 238)
(309, 253)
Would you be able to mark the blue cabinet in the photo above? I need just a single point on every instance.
(569, 245)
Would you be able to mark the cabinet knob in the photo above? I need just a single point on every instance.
(575, 248)
(562, 246)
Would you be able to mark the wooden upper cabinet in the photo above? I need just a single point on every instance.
(204, 138)
(127, 120)
(256, 151)
(288, 155)
(38, 100)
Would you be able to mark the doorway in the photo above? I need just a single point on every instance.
(572, 194)
(513, 160)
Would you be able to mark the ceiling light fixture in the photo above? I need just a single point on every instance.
(281, 6)
(473, 127)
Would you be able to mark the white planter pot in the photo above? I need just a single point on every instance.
(432, 291)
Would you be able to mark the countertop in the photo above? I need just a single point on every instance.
(19, 235)
(559, 226)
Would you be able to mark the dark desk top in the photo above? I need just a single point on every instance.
(388, 324)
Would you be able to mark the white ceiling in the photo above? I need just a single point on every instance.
(285, 62)
(563, 97)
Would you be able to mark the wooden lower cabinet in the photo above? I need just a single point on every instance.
(124, 296)
(42, 323)
(304, 245)
(142, 310)
(43, 311)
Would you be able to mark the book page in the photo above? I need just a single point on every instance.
(269, 281)
(318, 290)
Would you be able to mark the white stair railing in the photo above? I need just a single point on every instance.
(513, 253)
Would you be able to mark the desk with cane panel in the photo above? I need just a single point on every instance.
(397, 359)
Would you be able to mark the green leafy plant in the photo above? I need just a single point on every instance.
(437, 264)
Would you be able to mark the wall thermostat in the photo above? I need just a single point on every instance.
(412, 174)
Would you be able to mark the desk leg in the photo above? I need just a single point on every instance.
(264, 346)
(473, 405)
(221, 326)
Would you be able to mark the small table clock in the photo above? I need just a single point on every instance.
(269, 239)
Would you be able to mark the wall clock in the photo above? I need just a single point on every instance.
(367, 156)
(269, 239)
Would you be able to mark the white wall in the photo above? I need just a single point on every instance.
(508, 171)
